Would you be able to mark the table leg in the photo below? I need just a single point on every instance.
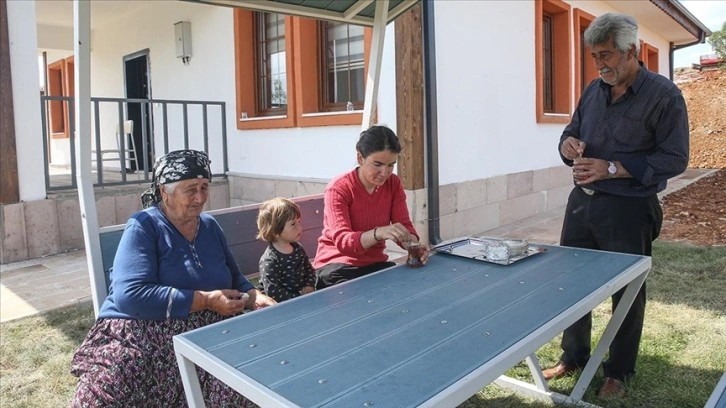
(607, 337)
(530, 390)
(536, 370)
(192, 388)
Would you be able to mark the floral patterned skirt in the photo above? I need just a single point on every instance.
(131, 363)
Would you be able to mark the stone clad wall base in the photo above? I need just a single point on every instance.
(251, 189)
(465, 208)
(40, 228)
(480, 205)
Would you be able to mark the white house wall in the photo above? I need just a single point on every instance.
(662, 46)
(486, 89)
(318, 153)
(485, 99)
(206, 78)
(486, 102)
(26, 104)
(55, 38)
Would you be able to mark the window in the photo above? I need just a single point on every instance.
(649, 56)
(548, 97)
(585, 71)
(60, 83)
(297, 72)
(553, 60)
(270, 64)
(343, 62)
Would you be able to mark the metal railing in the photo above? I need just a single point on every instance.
(188, 121)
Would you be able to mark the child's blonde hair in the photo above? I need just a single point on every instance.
(273, 216)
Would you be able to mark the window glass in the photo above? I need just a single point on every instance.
(271, 63)
(343, 61)
(548, 92)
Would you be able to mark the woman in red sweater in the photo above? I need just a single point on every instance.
(364, 208)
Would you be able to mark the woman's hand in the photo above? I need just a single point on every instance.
(258, 300)
(307, 289)
(426, 253)
(225, 302)
(395, 232)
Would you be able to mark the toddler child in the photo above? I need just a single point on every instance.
(285, 270)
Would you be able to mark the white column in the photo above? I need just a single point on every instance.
(374, 64)
(86, 197)
(23, 36)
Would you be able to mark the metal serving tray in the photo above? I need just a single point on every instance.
(476, 248)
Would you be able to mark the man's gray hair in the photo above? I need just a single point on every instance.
(622, 29)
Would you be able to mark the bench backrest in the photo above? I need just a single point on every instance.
(240, 227)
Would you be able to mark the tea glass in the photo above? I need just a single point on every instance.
(415, 252)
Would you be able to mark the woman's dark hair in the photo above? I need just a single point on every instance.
(377, 139)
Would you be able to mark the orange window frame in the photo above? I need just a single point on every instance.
(649, 56)
(585, 71)
(303, 76)
(559, 11)
(245, 81)
(61, 82)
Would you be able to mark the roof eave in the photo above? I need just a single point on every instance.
(349, 16)
(684, 18)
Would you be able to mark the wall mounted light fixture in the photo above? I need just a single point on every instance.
(183, 38)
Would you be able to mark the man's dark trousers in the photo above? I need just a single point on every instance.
(619, 224)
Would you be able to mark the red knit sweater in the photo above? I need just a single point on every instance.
(350, 211)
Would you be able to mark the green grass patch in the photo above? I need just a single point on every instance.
(682, 353)
(35, 355)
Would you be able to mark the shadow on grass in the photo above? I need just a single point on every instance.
(684, 274)
(73, 321)
(659, 383)
(502, 399)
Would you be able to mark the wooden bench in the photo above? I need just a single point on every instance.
(240, 227)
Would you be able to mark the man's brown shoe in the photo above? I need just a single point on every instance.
(560, 370)
(611, 388)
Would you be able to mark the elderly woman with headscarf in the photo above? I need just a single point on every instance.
(173, 272)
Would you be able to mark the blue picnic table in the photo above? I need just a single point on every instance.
(409, 337)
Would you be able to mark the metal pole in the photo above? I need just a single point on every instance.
(374, 65)
(86, 198)
(431, 118)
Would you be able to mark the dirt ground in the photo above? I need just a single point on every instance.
(697, 213)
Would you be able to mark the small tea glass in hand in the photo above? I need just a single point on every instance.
(415, 252)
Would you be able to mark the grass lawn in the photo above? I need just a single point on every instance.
(682, 354)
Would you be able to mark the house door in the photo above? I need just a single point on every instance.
(136, 76)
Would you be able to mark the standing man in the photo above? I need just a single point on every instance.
(627, 137)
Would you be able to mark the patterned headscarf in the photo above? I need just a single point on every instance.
(176, 166)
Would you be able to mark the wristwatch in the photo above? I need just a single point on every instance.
(612, 169)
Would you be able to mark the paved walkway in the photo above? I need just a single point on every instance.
(43, 284)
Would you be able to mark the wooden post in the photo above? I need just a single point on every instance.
(410, 97)
(9, 188)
